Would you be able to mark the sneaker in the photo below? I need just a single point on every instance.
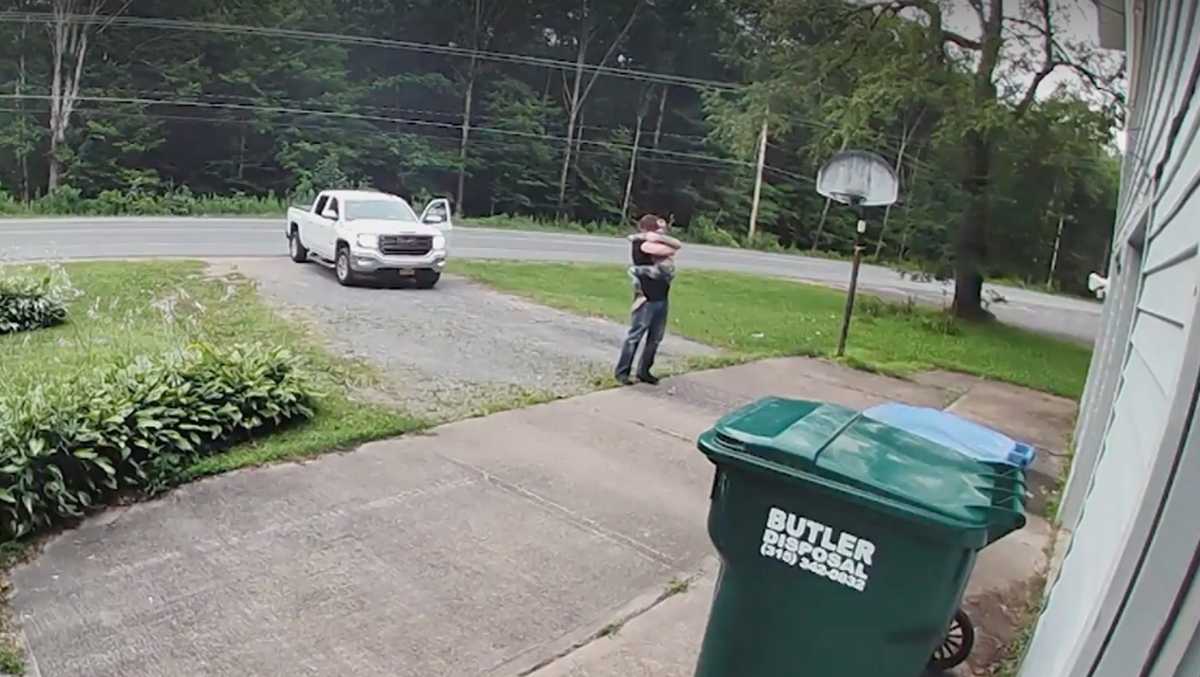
(624, 380)
(649, 379)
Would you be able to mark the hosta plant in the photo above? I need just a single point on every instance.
(68, 447)
(28, 302)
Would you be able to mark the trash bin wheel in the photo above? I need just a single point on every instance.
(956, 646)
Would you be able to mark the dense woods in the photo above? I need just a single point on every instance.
(586, 110)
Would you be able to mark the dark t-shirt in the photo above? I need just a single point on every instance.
(654, 290)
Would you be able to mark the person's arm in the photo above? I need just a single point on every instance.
(653, 272)
(633, 277)
(664, 239)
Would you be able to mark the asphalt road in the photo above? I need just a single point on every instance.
(75, 238)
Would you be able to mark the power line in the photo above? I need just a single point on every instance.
(323, 125)
(427, 48)
(286, 110)
(699, 139)
(455, 115)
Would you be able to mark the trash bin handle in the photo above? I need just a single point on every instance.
(816, 457)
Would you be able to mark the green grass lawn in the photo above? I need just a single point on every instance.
(127, 309)
(756, 316)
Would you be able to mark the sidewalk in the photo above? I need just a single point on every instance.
(497, 546)
(665, 640)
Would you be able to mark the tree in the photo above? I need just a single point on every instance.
(19, 128)
(483, 22)
(69, 37)
(986, 109)
(518, 154)
(876, 65)
(591, 22)
(462, 98)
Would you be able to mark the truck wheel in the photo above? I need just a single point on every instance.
(426, 279)
(296, 248)
(345, 273)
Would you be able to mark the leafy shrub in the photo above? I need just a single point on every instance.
(704, 230)
(29, 303)
(8, 204)
(67, 200)
(873, 306)
(943, 323)
(62, 200)
(766, 242)
(68, 447)
(513, 221)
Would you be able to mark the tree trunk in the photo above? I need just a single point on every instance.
(241, 165)
(816, 243)
(579, 92)
(887, 213)
(468, 100)
(633, 157)
(971, 244)
(69, 43)
(22, 138)
(662, 110)
(572, 119)
(58, 49)
(912, 180)
(69, 46)
(582, 127)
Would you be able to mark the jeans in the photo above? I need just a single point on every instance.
(650, 321)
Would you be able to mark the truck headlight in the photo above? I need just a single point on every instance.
(368, 241)
(439, 242)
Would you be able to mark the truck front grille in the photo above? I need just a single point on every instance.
(405, 245)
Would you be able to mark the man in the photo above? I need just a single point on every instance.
(650, 309)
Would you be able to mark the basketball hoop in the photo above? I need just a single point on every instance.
(860, 179)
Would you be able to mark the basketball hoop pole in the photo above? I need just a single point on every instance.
(856, 262)
(859, 179)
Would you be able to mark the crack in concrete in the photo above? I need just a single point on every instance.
(607, 630)
(641, 549)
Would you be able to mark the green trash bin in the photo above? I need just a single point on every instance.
(845, 543)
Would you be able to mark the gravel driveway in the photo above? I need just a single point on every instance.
(452, 351)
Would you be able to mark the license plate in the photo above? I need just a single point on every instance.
(406, 273)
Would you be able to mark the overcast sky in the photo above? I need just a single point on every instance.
(1077, 22)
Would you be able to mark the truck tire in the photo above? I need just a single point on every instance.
(427, 279)
(295, 247)
(342, 268)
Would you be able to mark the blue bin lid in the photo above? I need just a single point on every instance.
(954, 432)
(879, 467)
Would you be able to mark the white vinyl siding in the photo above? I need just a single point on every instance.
(1104, 616)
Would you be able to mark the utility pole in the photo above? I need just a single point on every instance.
(633, 156)
(1054, 255)
(758, 179)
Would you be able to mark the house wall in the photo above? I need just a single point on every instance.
(1125, 571)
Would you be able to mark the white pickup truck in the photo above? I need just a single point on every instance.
(366, 234)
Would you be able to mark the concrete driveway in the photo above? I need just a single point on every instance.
(491, 546)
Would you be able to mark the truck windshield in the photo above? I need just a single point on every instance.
(387, 210)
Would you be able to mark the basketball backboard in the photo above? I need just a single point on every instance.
(859, 178)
